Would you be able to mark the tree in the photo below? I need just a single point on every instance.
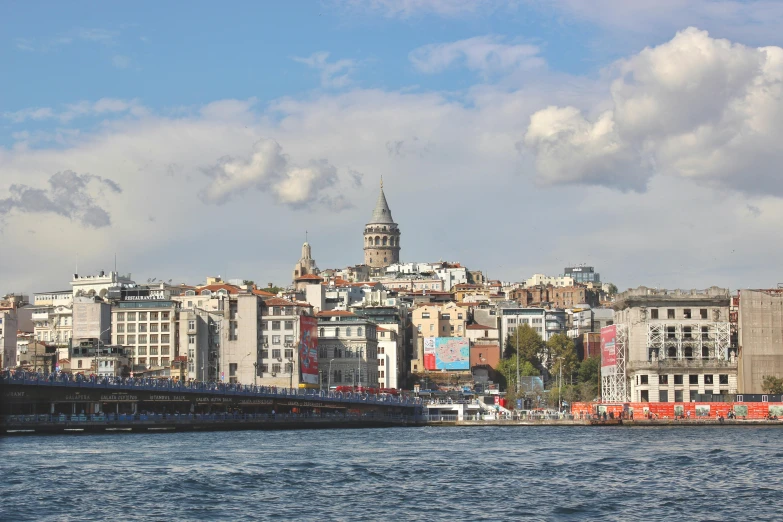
(611, 289)
(527, 343)
(589, 376)
(562, 352)
(772, 385)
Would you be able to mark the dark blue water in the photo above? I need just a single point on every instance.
(488, 473)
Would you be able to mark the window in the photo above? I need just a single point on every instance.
(154, 316)
(165, 338)
(276, 353)
(154, 339)
(142, 327)
(164, 327)
(131, 339)
(131, 316)
(164, 350)
(337, 332)
(432, 327)
(686, 313)
(708, 379)
(120, 316)
(677, 395)
(723, 379)
(263, 368)
(191, 325)
(120, 339)
(644, 396)
(265, 354)
(164, 361)
(142, 350)
(383, 362)
(289, 339)
(191, 339)
(645, 379)
(418, 328)
(693, 379)
(654, 313)
(154, 327)
(459, 316)
(425, 315)
(289, 353)
(677, 379)
(275, 325)
(359, 331)
(686, 330)
(511, 321)
(670, 313)
(289, 368)
(446, 316)
(232, 369)
(276, 368)
(142, 339)
(275, 339)
(153, 350)
(120, 328)
(143, 361)
(663, 379)
(80, 363)
(142, 316)
(380, 350)
(164, 316)
(322, 352)
(348, 331)
(289, 325)
(703, 313)
(663, 396)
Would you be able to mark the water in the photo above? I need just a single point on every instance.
(488, 473)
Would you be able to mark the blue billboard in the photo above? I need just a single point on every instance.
(452, 353)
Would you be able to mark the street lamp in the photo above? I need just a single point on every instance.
(255, 372)
(291, 376)
(329, 387)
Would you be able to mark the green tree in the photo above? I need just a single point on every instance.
(772, 385)
(562, 352)
(590, 370)
(611, 289)
(525, 341)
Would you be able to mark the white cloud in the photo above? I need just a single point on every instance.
(83, 108)
(333, 74)
(410, 8)
(697, 107)
(121, 61)
(485, 54)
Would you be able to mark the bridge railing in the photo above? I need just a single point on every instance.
(148, 384)
(190, 418)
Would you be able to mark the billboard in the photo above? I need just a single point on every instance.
(429, 353)
(308, 351)
(608, 353)
(452, 353)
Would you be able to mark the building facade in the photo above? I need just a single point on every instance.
(434, 320)
(347, 350)
(676, 343)
(760, 338)
(381, 236)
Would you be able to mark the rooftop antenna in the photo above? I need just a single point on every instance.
(381, 181)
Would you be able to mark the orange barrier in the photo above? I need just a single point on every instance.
(670, 410)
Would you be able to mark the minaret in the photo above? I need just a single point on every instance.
(381, 236)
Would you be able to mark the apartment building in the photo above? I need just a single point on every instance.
(347, 350)
(434, 320)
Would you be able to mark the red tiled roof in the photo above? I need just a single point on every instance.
(335, 313)
(279, 301)
(182, 358)
(231, 289)
(309, 277)
(381, 329)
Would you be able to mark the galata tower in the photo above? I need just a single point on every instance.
(381, 236)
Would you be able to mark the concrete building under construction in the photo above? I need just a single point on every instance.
(760, 337)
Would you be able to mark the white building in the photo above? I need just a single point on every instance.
(8, 333)
(545, 323)
(347, 350)
(389, 365)
(545, 280)
(99, 285)
(52, 316)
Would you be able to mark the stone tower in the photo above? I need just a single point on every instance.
(381, 236)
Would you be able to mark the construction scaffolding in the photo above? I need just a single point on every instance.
(686, 341)
(614, 386)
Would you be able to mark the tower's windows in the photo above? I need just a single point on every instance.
(377, 240)
(384, 260)
(385, 239)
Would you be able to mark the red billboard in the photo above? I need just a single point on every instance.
(608, 353)
(308, 352)
(429, 353)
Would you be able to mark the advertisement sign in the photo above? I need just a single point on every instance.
(308, 350)
(452, 353)
(144, 294)
(608, 353)
(429, 353)
(86, 320)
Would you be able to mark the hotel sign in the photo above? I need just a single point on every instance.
(145, 295)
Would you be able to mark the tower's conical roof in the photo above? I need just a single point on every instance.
(382, 212)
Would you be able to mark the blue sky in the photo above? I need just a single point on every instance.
(608, 132)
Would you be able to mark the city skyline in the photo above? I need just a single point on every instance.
(511, 138)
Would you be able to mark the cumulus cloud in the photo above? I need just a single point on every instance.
(333, 74)
(485, 54)
(68, 195)
(696, 107)
(269, 170)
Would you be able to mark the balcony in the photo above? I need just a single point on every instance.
(673, 364)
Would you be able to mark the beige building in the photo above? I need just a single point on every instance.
(760, 337)
(52, 316)
(286, 325)
(676, 343)
(148, 329)
(435, 320)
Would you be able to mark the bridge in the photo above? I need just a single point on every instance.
(60, 403)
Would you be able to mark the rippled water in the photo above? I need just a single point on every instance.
(438, 473)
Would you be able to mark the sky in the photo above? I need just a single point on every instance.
(519, 137)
